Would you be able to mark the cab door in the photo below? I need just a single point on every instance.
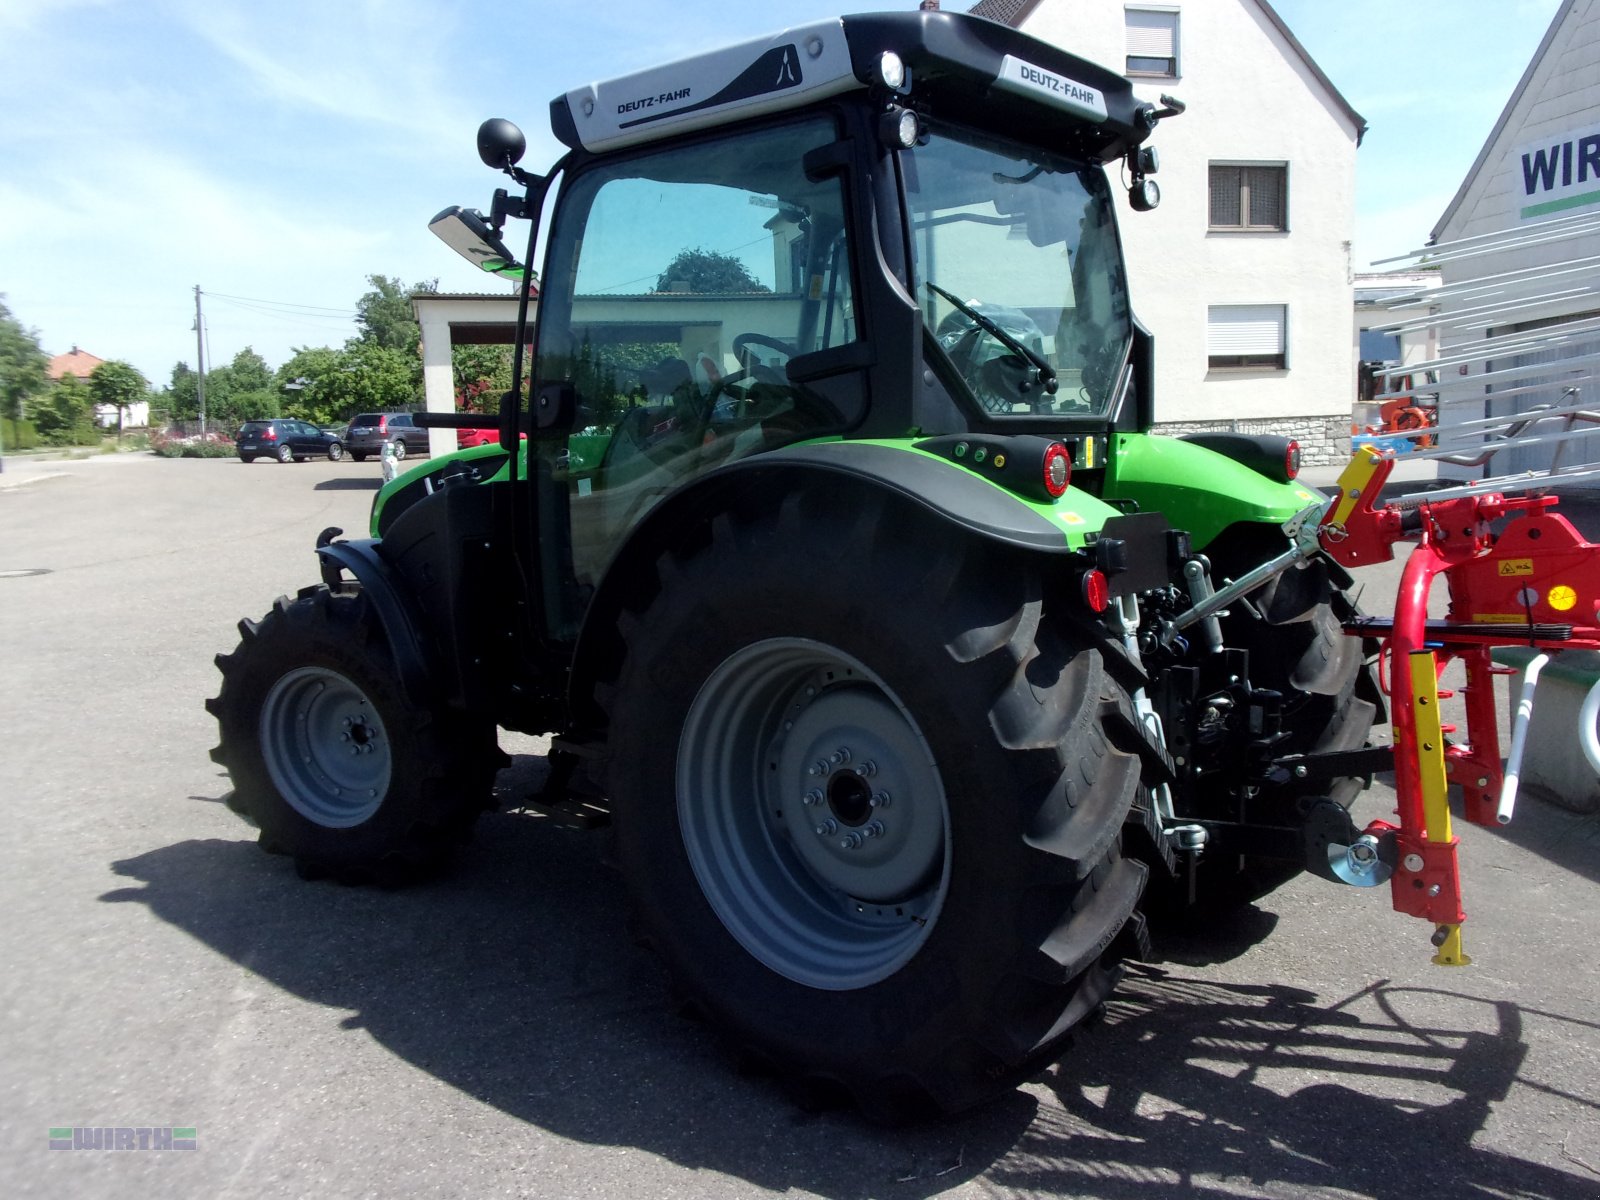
(680, 286)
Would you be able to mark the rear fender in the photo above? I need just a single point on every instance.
(946, 492)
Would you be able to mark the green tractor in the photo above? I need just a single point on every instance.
(827, 538)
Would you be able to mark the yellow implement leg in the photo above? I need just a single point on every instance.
(1435, 784)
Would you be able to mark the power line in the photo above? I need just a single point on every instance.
(347, 312)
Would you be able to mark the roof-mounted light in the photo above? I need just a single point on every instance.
(900, 127)
(892, 71)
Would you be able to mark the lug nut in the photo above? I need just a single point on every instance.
(867, 769)
(828, 828)
(850, 841)
(840, 756)
(820, 768)
(872, 829)
(814, 796)
(881, 799)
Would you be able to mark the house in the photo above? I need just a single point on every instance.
(1243, 274)
(1519, 252)
(81, 364)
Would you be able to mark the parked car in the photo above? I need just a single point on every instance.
(367, 433)
(468, 438)
(286, 441)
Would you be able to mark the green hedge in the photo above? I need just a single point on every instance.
(18, 435)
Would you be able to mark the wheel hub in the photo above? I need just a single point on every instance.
(325, 747)
(812, 813)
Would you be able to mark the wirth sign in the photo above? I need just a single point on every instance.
(1559, 174)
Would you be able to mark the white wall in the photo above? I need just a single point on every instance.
(1251, 98)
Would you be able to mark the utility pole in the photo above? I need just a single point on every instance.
(200, 357)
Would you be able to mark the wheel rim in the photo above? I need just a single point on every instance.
(336, 452)
(325, 747)
(813, 815)
(399, 449)
(285, 454)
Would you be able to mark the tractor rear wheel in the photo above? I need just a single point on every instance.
(865, 803)
(330, 759)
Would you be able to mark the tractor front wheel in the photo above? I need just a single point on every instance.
(866, 806)
(331, 760)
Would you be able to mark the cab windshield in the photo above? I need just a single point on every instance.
(1018, 270)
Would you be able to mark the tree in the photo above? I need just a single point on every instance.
(64, 414)
(119, 384)
(385, 317)
(707, 271)
(22, 364)
(482, 376)
(182, 395)
(328, 386)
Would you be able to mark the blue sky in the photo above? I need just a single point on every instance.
(282, 151)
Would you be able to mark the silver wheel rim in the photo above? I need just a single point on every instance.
(813, 815)
(399, 449)
(325, 747)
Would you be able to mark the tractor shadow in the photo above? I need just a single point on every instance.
(349, 483)
(514, 980)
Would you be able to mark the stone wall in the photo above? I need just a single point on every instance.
(1324, 441)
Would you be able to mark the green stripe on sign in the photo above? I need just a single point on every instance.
(183, 1133)
(61, 1133)
(1550, 206)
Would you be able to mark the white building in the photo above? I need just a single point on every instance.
(1243, 274)
(1519, 249)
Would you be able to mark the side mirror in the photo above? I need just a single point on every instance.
(500, 144)
(466, 232)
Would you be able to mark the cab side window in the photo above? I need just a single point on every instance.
(680, 286)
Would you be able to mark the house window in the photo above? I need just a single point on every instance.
(1249, 196)
(1248, 336)
(1152, 41)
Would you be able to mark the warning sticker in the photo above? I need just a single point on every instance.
(1515, 566)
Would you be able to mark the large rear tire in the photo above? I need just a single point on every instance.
(330, 759)
(865, 804)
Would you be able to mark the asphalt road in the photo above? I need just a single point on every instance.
(497, 1033)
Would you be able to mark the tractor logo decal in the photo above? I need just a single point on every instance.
(777, 70)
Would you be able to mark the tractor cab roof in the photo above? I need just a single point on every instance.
(956, 66)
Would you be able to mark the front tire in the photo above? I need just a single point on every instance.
(869, 816)
(335, 452)
(331, 760)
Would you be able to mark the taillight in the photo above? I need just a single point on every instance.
(1291, 460)
(1057, 470)
(270, 434)
(383, 424)
(1096, 590)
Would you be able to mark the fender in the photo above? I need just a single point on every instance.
(1201, 490)
(395, 613)
(950, 493)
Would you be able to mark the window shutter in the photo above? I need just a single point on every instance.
(1225, 197)
(1152, 34)
(1266, 197)
(1245, 329)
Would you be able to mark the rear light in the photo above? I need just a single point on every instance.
(269, 434)
(1057, 470)
(383, 424)
(1291, 460)
(1096, 590)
